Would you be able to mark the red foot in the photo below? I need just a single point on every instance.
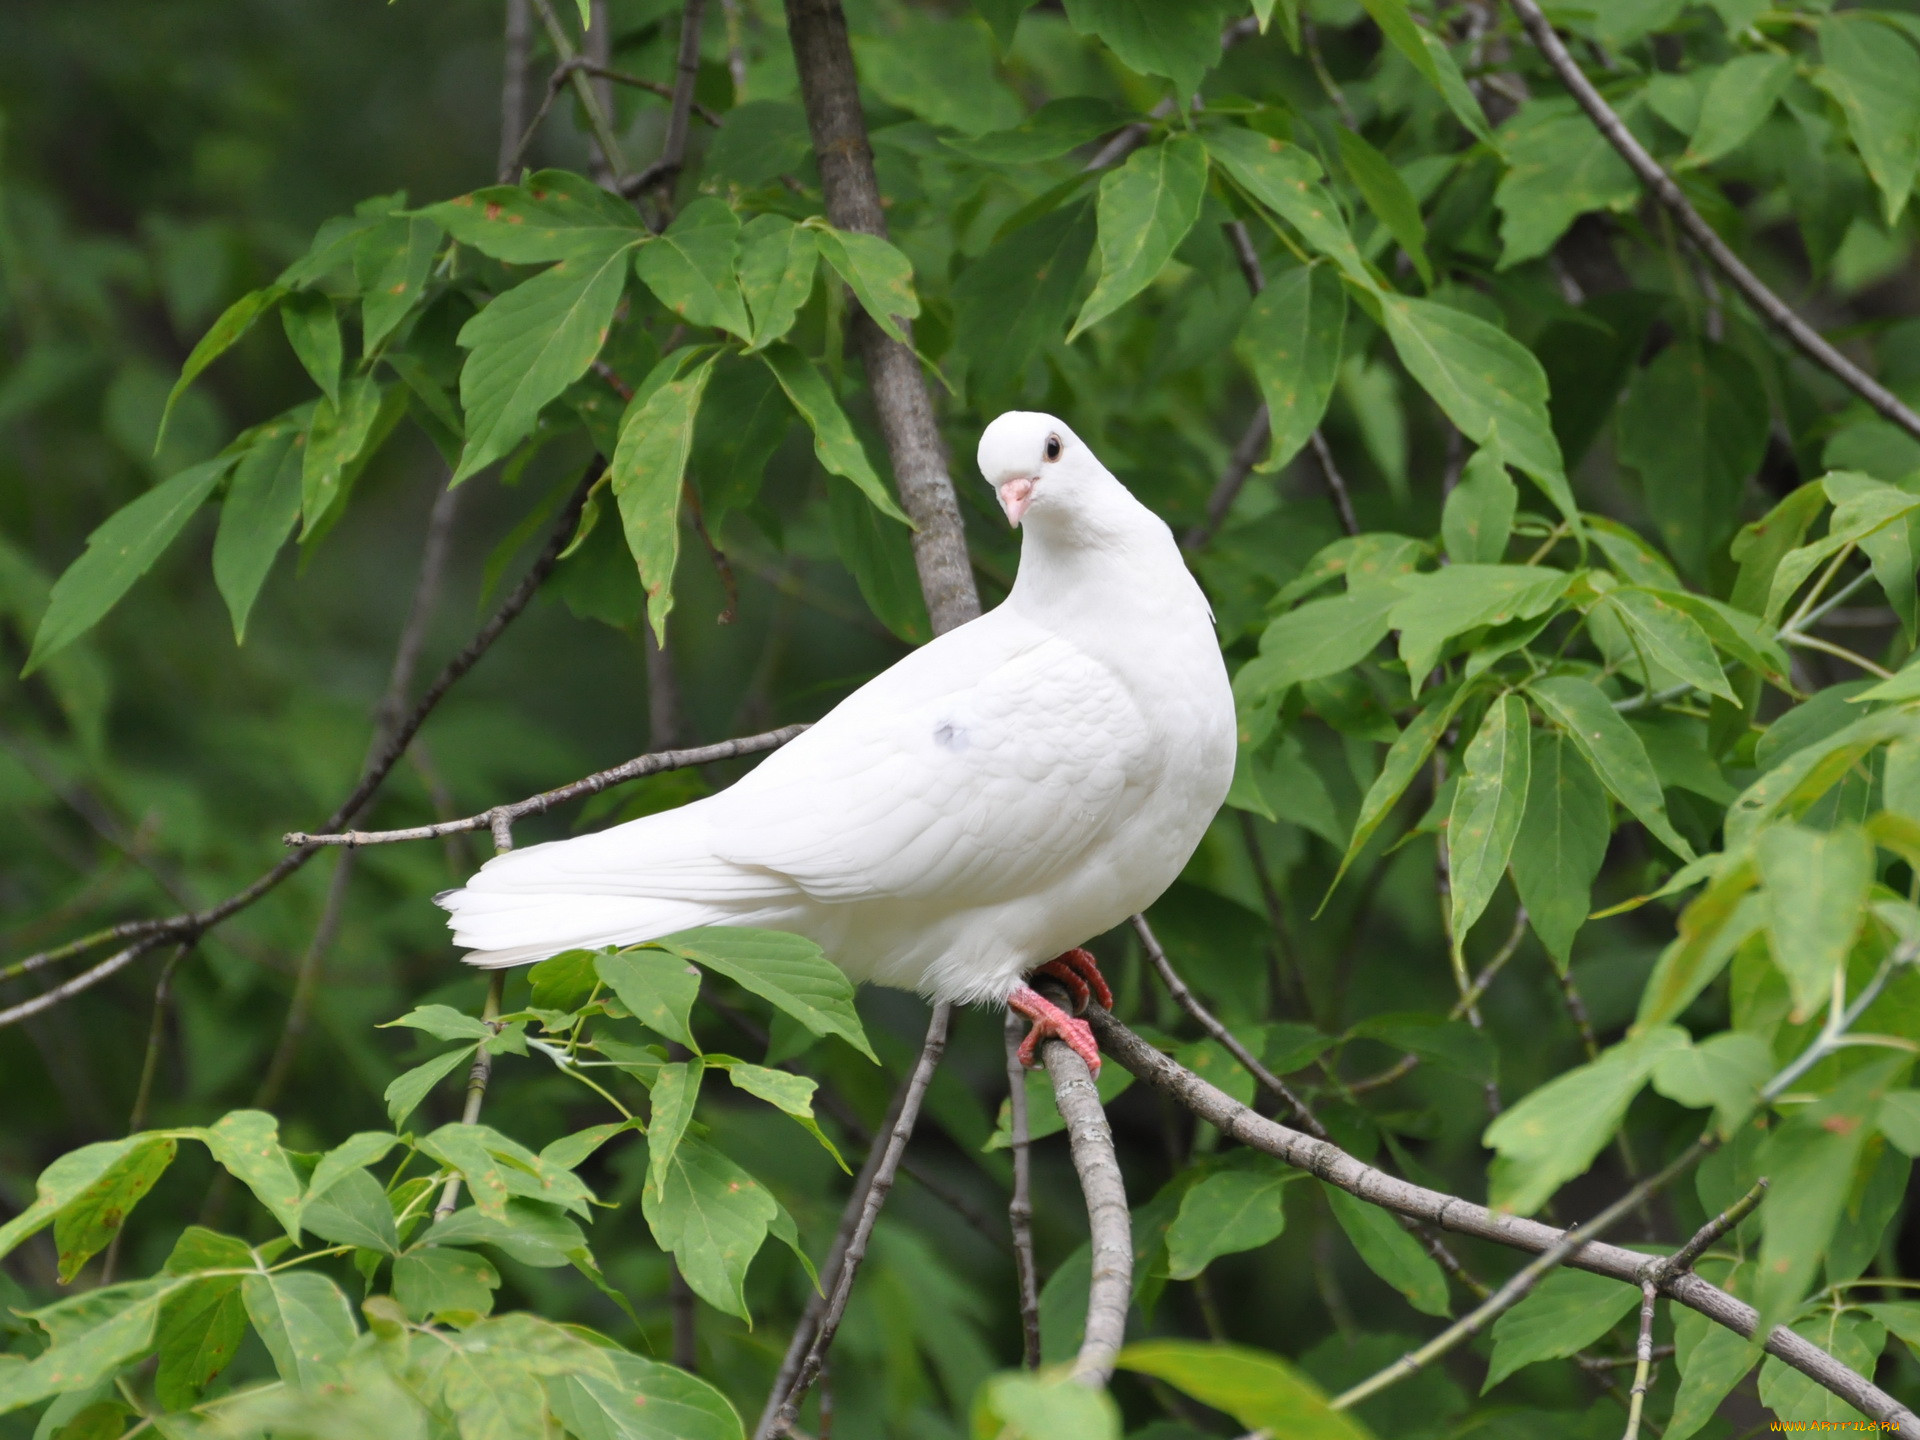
(1080, 973)
(1050, 1022)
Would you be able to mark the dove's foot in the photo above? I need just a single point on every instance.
(1050, 1022)
(1080, 973)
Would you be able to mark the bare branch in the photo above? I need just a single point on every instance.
(1020, 1207)
(597, 120)
(513, 90)
(477, 1079)
(1450, 1212)
(1189, 1002)
(869, 1212)
(831, 90)
(1336, 484)
(637, 768)
(150, 933)
(1110, 1291)
(1643, 1361)
(1804, 337)
(1710, 1233)
(673, 150)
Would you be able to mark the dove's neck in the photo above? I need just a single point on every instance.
(1109, 564)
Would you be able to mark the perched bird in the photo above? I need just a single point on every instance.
(968, 817)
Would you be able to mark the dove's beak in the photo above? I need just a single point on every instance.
(1015, 495)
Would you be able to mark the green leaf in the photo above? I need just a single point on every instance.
(1562, 842)
(834, 443)
(648, 471)
(66, 1180)
(354, 1211)
(262, 504)
(564, 981)
(1387, 196)
(531, 343)
(356, 1152)
(313, 330)
(1712, 1361)
(93, 1334)
(1488, 383)
(1431, 58)
(1816, 897)
(1406, 757)
(789, 970)
(1319, 638)
(1617, 755)
(1559, 167)
(1760, 546)
(1181, 42)
(1670, 638)
(1014, 301)
(88, 1222)
(1478, 516)
(1437, 605)
(435, 1281)
(1554, 1134)
(495, 1167)
(713, 1216)
(1291, 340)
(792, 1094)
(404, 1094)
(1900, 1120)
(528, 1231)
(118, 553)
(1723, 1073)
(1286, 179)
(1452, 1045)
(554, 216)
(1048, 133)
(1873, 74)
(226, 332)
(1390, 1252)
(1694, 426)
(247, 1144)
(1050, 1405)
(199, 1330)
(1739, 634)
(776, 274)
(1487, 805)
(880, 555)
(937, 66)
(657, 987)
(1567, 1312)
(880, 277)
(675, 1089)
(305, 1321)
(1146, 208)
(690, 267)
(1259, 1390)
(443, 1022)
(392, 263)
(1739, 97)
(647, 1401)
(1224, 1213)
(338, 439)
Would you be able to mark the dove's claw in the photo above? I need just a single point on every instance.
(1080, 973)
(1050, 1022)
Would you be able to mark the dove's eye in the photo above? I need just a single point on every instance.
(1053, 447)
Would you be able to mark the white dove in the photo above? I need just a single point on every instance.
(970, 816)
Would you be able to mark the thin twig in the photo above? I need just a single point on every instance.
(149, 934)
(518, 50)
(1189, 1002)
(1020, 1207)
(1709, 1234)
(1808, 340)
(1336, 484)
(1449, 1212)
(635, 769)
(597, 120)
(1110, 1290)
(1233, 479)
(875, 1197)
(673, 150)
(149, 1068)
(1643, 1361)
(477, 1079)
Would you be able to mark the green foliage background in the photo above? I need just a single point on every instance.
(1630, 577)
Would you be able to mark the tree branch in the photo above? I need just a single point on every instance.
(518, 50)
(597, 120)
(831, 91)
(673, 150)
(1449, 1212)
(1020, 1206)
(147, 934)
(869, 1211)
(1804, 337)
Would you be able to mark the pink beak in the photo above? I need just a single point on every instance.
(1015, 495)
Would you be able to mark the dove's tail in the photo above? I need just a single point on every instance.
(635, 882)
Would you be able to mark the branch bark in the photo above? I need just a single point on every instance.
(1020, 1206)
(1449, 1212)
(1804, 337)
(831, 91)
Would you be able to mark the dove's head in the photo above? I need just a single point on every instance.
(1035, 463)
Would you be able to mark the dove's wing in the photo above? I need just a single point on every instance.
(980, 768)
